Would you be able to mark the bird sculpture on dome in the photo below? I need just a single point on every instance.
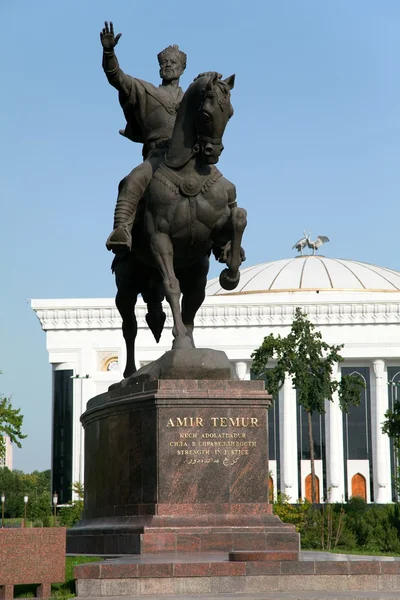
(321, 239)
(301, 244)
(306, 241)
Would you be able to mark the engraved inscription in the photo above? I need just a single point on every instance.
(215, 422)
(212, 447)
(185, 422)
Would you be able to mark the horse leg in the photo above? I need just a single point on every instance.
(193, 285)
(125, 301)
(229, 277)
(163, 252)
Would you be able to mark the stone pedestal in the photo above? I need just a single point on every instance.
(176, 466)
(31, 556)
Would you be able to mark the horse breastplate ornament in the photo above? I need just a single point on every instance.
(188, 186)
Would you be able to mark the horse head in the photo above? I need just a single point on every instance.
(201, 120)
(214, 111)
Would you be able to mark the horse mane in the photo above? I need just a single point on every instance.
(184, 135)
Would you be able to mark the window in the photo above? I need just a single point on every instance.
(271, 489)
(303, 441)
(62, 435)
(357, 423)
(359, 486)
(357, 426)
(309, 488)
(318, 425)
(110, 364)
(273, 432)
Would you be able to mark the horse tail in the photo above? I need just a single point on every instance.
(155, 317)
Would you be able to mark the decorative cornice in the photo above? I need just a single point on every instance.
(226, 315)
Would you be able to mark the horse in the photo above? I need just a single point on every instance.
(187, 211)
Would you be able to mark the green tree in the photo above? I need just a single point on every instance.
(304, 356)
(10, 424)
(391, 425)
(72, 513)
(15, 484)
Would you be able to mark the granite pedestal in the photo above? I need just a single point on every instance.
(176, 466)
(331, 577)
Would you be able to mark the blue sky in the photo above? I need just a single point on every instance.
(314, 143)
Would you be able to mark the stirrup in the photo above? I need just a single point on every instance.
(119, 240)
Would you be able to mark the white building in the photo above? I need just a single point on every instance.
(351, 303)
(7, 460)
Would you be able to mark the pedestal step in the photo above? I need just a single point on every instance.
(176, 575)
(194, 539)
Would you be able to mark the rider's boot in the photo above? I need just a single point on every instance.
(120, 239)
(130, 191)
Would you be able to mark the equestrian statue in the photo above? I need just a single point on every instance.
(176, 208)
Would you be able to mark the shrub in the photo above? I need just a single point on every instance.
(37, 523)
(70, 514)
(321, 527)
(376, 527)
(296, 514)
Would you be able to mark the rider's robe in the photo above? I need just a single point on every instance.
(150, 111)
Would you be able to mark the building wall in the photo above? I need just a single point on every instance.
(84, 337)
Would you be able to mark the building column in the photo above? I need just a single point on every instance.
(380, 441)
(288, 437)
(241, 370)
(334, 445)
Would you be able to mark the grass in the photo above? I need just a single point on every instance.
(58, 590)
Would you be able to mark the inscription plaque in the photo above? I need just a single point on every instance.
(205, 445)
(209, 450)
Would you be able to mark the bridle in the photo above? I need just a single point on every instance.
(206, 139)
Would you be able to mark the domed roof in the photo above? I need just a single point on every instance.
(311, 273)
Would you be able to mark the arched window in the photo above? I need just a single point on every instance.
(271, 488)
(359, 486)
(309, 488)
(110, 364)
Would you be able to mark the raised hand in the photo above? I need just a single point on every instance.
(107, 38)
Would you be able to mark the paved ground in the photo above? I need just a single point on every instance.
(268, 596)
(217, 557)
(309, 555)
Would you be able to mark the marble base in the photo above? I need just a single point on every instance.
(191, 363)
(176, 575)
(178, 466)
(155, 535)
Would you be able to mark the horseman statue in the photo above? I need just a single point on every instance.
(175, 208)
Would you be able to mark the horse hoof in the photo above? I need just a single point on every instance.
(227, 281)
(182, 343)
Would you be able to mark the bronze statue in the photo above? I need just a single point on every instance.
(188, 210)
(150, 114)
